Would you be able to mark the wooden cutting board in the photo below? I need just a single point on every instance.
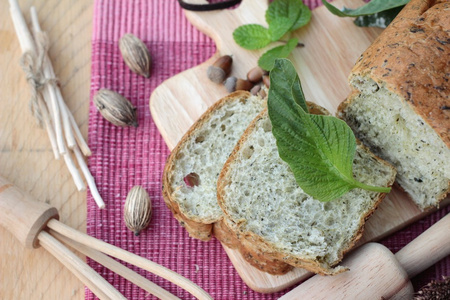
(332, 46)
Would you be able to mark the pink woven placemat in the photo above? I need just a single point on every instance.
(124, 157)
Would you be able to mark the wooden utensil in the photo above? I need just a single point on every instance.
(332, 46)
(375, 273)
(27, 220)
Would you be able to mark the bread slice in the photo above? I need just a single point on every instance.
(400, 104)
(191, 171)
(270, 213)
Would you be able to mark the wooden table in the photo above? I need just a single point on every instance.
(26, 157)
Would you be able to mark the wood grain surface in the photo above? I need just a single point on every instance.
(323, 65)
(26, 157)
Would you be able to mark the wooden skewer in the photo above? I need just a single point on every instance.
(75, 129)
(56, 114)
(79, 183)
(23, 34)
(118, 268)
(68, 133)
(102, 288)
(89, 178)
(130, 258)
(49, 128)
(78, 136)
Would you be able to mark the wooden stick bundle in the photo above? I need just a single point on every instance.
(49, 106)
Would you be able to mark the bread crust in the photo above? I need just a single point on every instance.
(256, 243)
(411, 58)
(251, 254)
(197, 227)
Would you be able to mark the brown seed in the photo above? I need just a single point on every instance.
(255, 75)
(235, 84)
(115, 108)
(135, 54)
(243, 84)
(262, 93)
(220, 69)
(255, 89)
(266, 80)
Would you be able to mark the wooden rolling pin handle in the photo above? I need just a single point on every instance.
(21, 215)
(427, 249)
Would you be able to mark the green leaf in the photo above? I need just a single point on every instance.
(381, 19)
(279, 28)
(267, 59)
(287, 9)
(288, 83)
(281, 15)
(286, 15)
(318, 149)
(374, 6)
(251, 36)
(303, 18)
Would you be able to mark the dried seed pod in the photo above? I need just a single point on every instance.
(135, 54)
(138, 209)
(115, 108)
(220, 69)
(255, 75)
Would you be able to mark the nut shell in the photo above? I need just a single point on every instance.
(255, 75)
(137, 211)
(243, 84)
(220, 69)
(115, 108)
(135, 54)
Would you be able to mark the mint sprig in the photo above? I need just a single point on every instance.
(260, 36)
(293, 10)
(283, 17)
(318, 149)
(267, 60)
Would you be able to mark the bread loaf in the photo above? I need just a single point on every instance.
(400, 104)
(191, 171)
(271, 215)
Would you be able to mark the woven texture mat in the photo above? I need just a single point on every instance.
(125, 157)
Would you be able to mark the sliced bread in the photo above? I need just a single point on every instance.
(270, 214)
(191, 171)
(400, 104)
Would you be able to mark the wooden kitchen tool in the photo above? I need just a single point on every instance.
(375, 273)
(26, 219)
(332, 46)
